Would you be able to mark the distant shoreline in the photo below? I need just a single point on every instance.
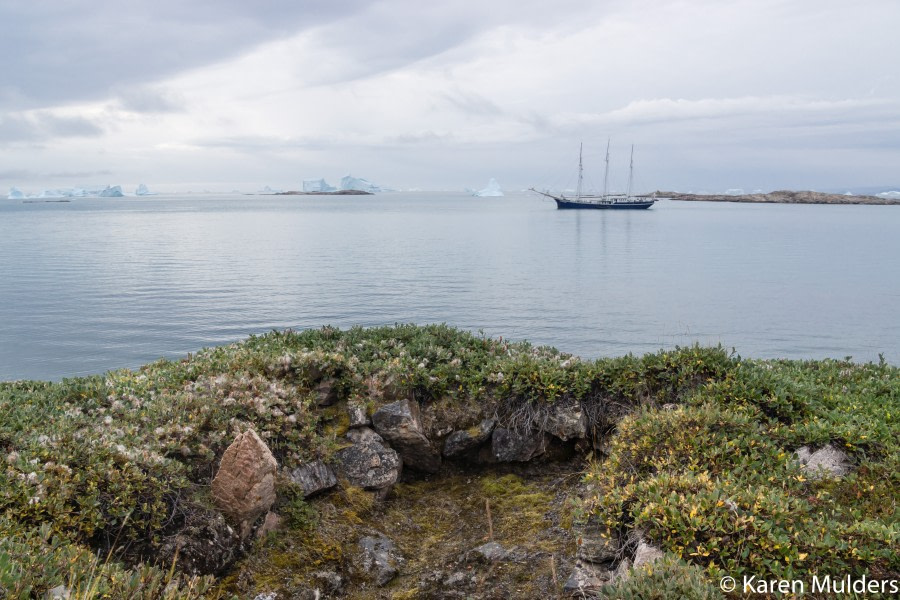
(780, 197)
(335, 193)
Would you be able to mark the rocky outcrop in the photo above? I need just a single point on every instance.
(401, 425)
(586, 578)
(244, 486)
(487, 553)
(461, 442)
(368, 463)
(377, 559)
(597, 548)
(824, 462)
(509, 445)
(313, 477)
(781, 197)
(358, 415)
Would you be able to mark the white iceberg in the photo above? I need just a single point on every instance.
(15, 194)
(317, 185)
(112, 191)
(734, 192)
(143, 190)
(892, 195)
(268, 190)
(348, 182)
(492, 189)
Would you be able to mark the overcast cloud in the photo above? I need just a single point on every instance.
(715, 94)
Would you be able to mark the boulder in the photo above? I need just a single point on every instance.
(566, 420)
(585, 579)
(378, 559)
(271, 523)
(824, 462)
(465, 440)
(509, 445)
(60, 592)
(401, 425)
(368, 463)
(244, 486)
(646, 554)
(313, 477)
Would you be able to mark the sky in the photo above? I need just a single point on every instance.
(230, 94)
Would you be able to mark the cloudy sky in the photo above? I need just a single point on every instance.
(714, 94)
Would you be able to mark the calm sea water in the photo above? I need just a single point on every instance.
(98, 284)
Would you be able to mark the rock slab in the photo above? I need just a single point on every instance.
(509, 445)
(244, 486)
(314, 477)
(824, 462)
(466, 440)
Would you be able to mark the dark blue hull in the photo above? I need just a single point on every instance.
(605, 205)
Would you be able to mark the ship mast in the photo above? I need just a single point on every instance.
(630, 173)
(580, 173)
(606, 173)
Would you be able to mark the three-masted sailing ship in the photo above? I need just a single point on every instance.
(625, 201)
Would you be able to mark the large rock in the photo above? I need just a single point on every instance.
(824, 462)
(313, 477)
(358, 415)
(244, 487)
(509, 445)
(646, 554)
(378, 559)
(466, 440)
(567, 421)
(327, 392)
(487, 553)
(368, 463)
(401, 425)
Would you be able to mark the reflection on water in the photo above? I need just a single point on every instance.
(97, 284)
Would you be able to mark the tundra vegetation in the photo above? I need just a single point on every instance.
(693, 448)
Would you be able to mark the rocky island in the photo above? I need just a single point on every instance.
(428, 462)
(780, 197)
(319, 193)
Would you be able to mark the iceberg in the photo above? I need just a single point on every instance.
(891, 195)
(15, 194)
(317, 185)
(112, 191)
(268, 190)
(348, 182)
(143, 190)
(492, 189)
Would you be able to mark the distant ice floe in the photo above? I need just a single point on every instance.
(268, 190)
(735, 192)
(109, 191)
(348, 182)
(15, 194)
(892, 195)
(143, 190)
(317, 185)
(492, 189)
(112, 191)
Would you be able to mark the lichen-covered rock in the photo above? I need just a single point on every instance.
(313, 477)
(378, 560)
(368, 463)
(646, 554)
(205, 544)
(509, 445)
(60, 592)
(489, 552)
(566, 420)
(401, 425)
(358, 415)
(585, 579)
(466, 440)
(824, 462)
(244, 486)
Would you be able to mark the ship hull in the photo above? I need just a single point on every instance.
(568, 204)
